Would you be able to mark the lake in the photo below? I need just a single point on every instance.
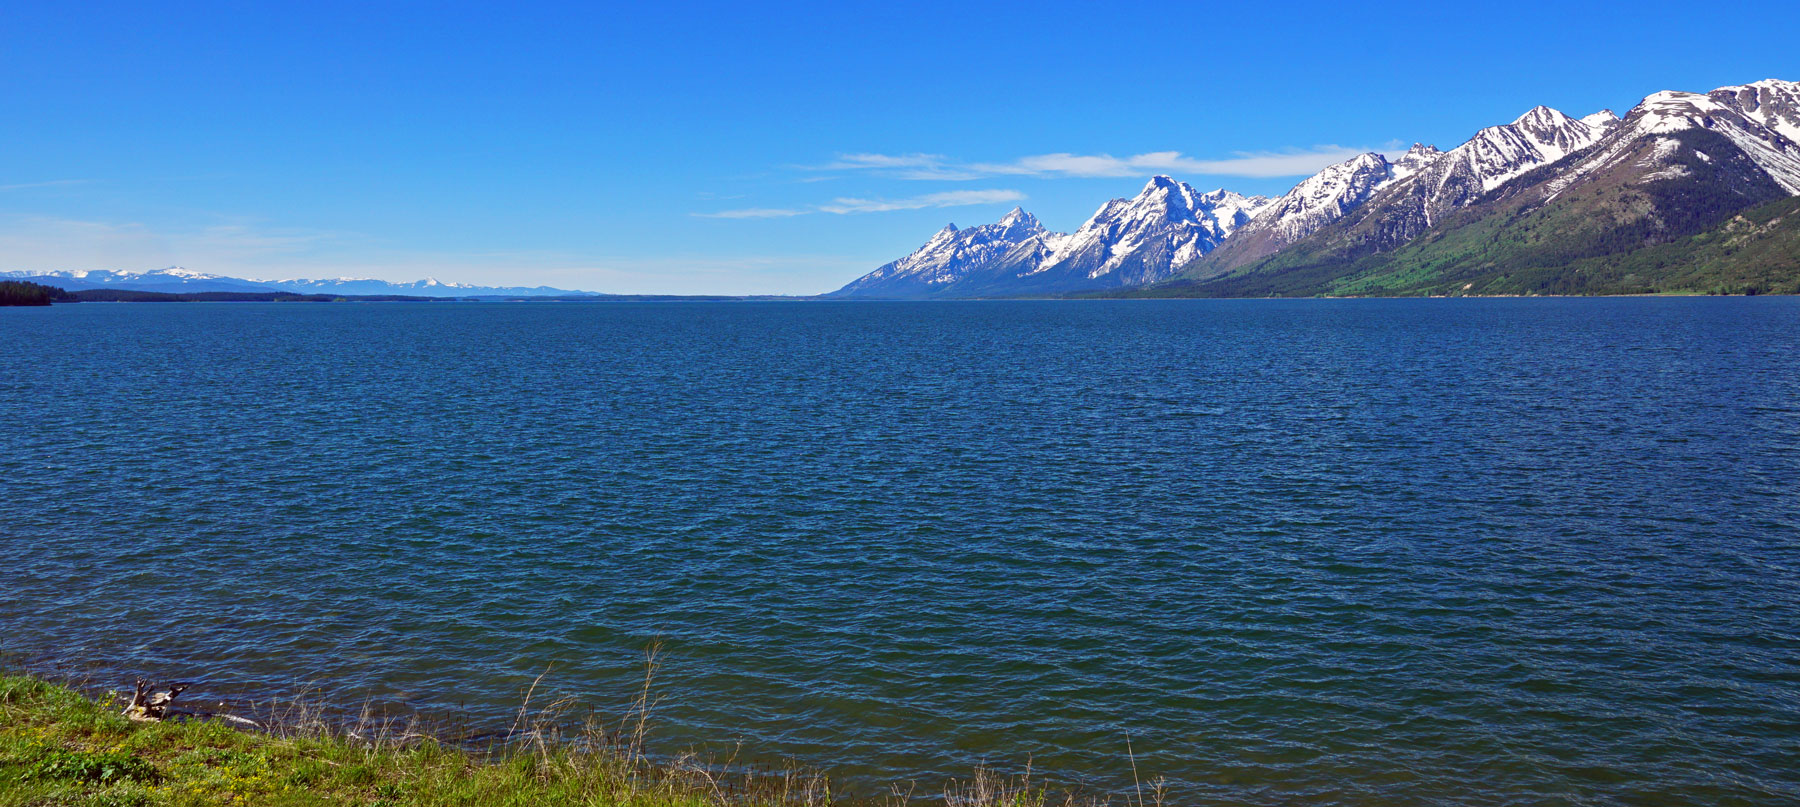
(1316, 551)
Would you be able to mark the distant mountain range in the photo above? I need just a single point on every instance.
(179, 280)
(1128, 242)
(1688, 192)
(1685, 193)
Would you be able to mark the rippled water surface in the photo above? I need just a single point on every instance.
(1358, 552)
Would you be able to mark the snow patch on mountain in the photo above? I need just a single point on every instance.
(951, 255)
(1416, 159)
(1757, 118)
(1144, 239)
(179, 279)
(1771, 102)
(1150, 236)
(1326, 196)
(1603, 119)
(1540, 136)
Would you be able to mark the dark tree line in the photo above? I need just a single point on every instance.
(20, 292)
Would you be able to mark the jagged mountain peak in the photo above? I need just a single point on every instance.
(1420, 185)
(1016, 225)
(1603, 118)
(1540, 136)
(1369, 165)
(1148, 237)
(1541, 115)
(1170, 199)
(1230, 208)
(1374, 202)
(1773, 103)
(1317, 201)
(941, 237)
(1166, 193)
(1127, 241)
(1415, 159)
(1762, 120)
(1497, 154)
(950, 256)
(1556, 190)
(1017, 216)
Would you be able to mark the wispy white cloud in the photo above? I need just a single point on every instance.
(848, 162)
(1262, 164)
(926, 166)
(54, 183)
(900, 166)
(754, 213)
(845, 205)
(1252, 164)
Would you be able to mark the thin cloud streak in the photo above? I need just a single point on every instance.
(853, 162)
(753, 213)
(54, 183)
(847, 205)
(900, 166)
(1259, 165)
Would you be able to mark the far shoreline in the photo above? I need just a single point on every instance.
(242, 299)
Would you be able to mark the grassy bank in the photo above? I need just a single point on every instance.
(60, 747)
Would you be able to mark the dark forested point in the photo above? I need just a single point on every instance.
(19, 292)
(129, 296)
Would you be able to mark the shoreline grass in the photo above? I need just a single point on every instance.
(61, 747)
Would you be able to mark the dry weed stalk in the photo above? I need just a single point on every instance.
(613, 765)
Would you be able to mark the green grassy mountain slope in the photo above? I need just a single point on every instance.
(1656, 214)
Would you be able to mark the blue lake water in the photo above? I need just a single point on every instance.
(1355, 552)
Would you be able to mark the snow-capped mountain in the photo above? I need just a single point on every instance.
(429, 287)
(1320, 200)
(950, 256)
(1551, 204)
(1144, 239)
(172, 279)
(176, 279)
(1604, 119)
(1326, 196)
(1416, 159)
(1412, 192)
(1762, 120)
(1771, 102)
(1127, 242)
(1491, 158)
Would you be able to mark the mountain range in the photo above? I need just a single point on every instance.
(1127, 242)
(1687, 192)
(179, 280)
(1684, 193)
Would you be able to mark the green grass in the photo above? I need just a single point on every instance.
(60, 747)
(1720, 227)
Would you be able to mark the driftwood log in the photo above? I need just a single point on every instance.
(147, 706)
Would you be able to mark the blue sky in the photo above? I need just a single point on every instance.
(701, 148)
